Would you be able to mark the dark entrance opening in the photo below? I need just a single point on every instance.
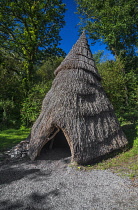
(56, 149)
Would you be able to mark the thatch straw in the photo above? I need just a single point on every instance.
(78, 105)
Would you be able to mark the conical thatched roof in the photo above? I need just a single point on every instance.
(78, 105)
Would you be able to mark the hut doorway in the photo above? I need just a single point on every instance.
(56, 149)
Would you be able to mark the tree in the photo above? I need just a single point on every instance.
(31, 105)
(11, 89)
(46, 71)
(30, 30)
(115, 81)
(97, 56)
(114, 22)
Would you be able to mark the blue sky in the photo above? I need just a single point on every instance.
(69, 33)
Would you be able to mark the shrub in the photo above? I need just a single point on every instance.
(31, 106)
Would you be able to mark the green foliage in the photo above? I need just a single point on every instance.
(113, 22)
(46, 71)
(30, 29)
(113, 81)
(97, 56)
(29, 34)
(31, 105)
(17, 106)
(11, 90)
(121, 88)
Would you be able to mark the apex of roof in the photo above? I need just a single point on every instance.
(82, 40)
(79, 57)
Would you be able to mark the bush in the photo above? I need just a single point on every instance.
(113, 81)
(121, 87)
(31, 106)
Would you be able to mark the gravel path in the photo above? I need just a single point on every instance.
(50, 183)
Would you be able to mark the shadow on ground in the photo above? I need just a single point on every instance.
(34, 201)
(12, 174)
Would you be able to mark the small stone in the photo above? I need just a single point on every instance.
(12, 156)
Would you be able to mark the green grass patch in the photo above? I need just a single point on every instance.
(11, 137)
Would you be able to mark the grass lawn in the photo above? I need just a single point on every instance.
(11, 137)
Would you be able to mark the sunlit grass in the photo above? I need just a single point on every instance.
(11, 137)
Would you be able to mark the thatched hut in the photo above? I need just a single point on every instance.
(78, 106)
